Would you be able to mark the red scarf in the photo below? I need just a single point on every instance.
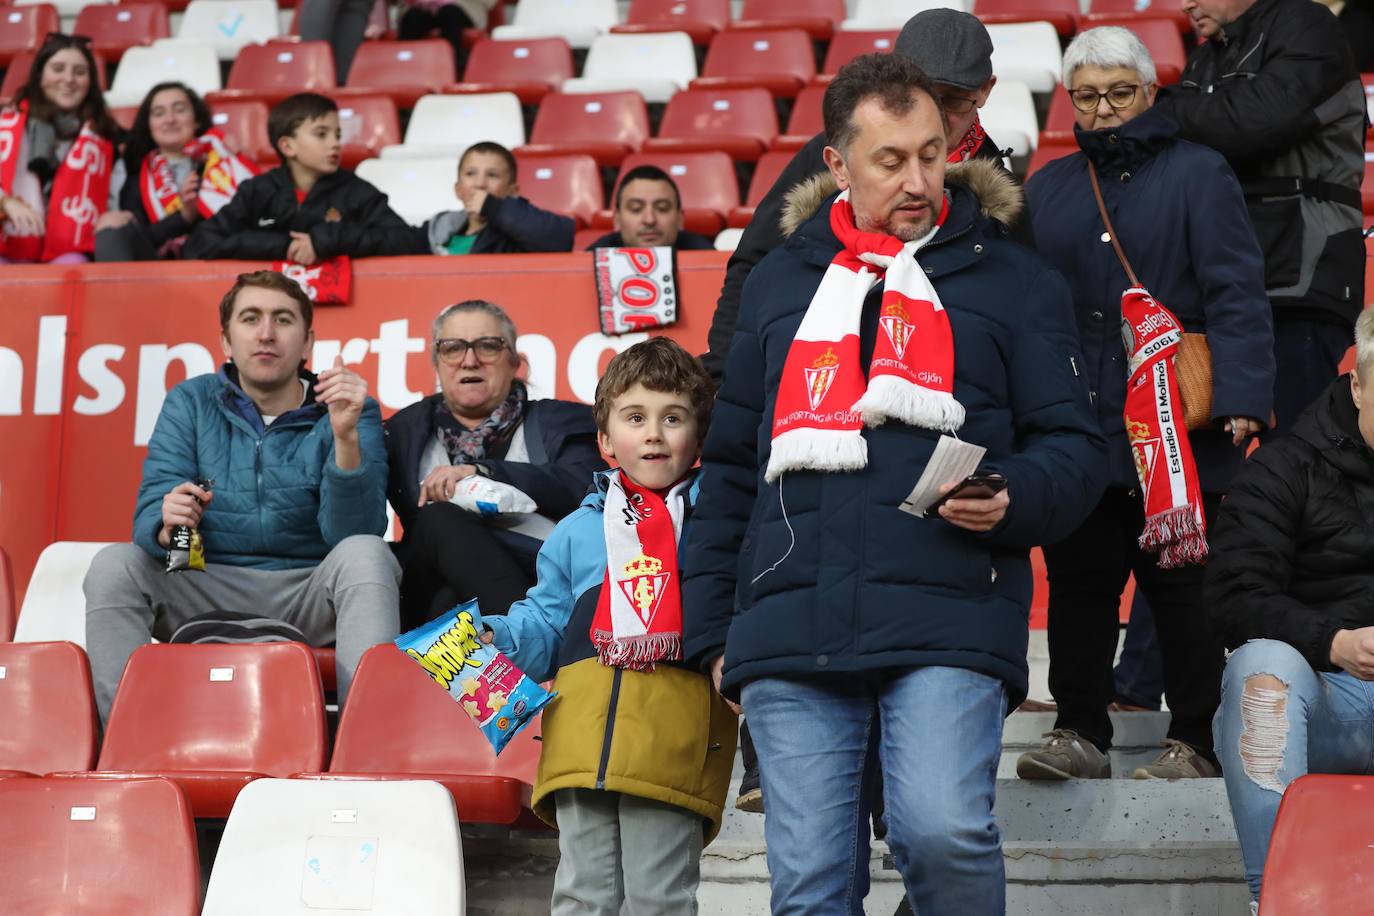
(823, 401)
(638, 618)
(80, 191)
(223, 172)
(327, 283)
(1174, 523)
(968, 144)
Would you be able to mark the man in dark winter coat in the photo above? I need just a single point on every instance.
(648, 213)
(1275, 90)
(1289, 588)
(808, 591)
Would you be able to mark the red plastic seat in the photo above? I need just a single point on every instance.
(47, 708)
(701, 19)
(271, 72)
(706, 182)
(22, 28)
(18, 71)
(1319, 851)
(531, 68)
(585, 237)
(806, 120)
(846, 46)
(1059, 121)
(368, 123)
(114, 29)
(97, 847)
(1111, 12)
(740, 122)
(9, 611)
(1161, 39)
(607, 126)
(404, 70)
(766, 172)
(399, 724)
(1048, 152)
(244, 123)
(818, 18)
(212, 718)
(1062, 14)
(781, 61)
(562, 184)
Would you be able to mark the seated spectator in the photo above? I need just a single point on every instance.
(1288, 589)
(283, 475)
(494, 218)
(648, 213)
(308, 209)
(450, 17)
(1181, 218)
(480, 422)
(56, 143)
(157, 180)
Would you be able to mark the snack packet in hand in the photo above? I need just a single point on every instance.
(187, 550)
(498, 696)
(490, 497)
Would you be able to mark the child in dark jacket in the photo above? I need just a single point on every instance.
(637, 749)
(495, 219)
(308, 210)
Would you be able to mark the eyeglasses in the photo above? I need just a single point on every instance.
(454, 350)
(67, 40)
(1118, 97)
(957, 104)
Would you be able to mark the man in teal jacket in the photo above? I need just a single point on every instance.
(282, 473)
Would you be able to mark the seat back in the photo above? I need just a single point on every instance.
(615, 117)
(847, 45)
(446, 125)
(818, 18)
(280, 69)
(1319, 853)
(806, 120)
(533, 60)
(244, 123)
(656, 65)
(706, 113)
(251, 708)
(415, 188)
(97, 847)
(766, 174)
(368, 123)
(893, 14)
(229, 25)
(562, 184)
(47, 707)
(700, 19)
(141, 69)
(577, 21)
(706, 182)
(22, 28)
(1059, 121)
(8, 609)
(1009, 117)
(780, 59)
(114, 29)
(1062, 14)
(401, 68)
(1027, 52)
(55, 606)
(301, 846)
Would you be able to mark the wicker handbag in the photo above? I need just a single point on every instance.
(1193, 363)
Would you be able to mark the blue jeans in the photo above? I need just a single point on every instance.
(1265, 740)
(941, 737)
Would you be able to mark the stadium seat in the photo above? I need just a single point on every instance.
(728, 239)
(214, 717)
(606, 126)
(244, 123)
(1115, 10)
(818, 18)
(417, 188)
(654, 65)
(531, 69)
(399, 724)
(740, 122)
(22, 28)
(97, 847)
(9, 608)
(47, 708)
(1062, 14)
(893, 14)
(1009, 117)
(294, 848)
(67, 9)
(1027, 52)
(576, 21)
(1367, 186)
(273, 71)
(1161, 39)
(846, 46)
(229, 25)
(1048, 152)
(1319, 851)
(562, 184)
(700, 19)
(115, 29)
(585, 237)
(706, 182)
(806, 120)
(368, 123)
(766, 172)
(142, 68)
(445, 125)
(1059, 121)
(54, 605)
(781, 61)
(404, 70)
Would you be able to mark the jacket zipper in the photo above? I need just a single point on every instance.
(610, 730)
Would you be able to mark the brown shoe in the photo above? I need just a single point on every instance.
(1066, 755)
(751, 801)
(1179, 761)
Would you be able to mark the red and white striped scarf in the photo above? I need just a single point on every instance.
(968, 144)
(823, 400)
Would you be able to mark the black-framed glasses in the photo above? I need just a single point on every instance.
(454, 350)
(958, 104)
(1119, 96)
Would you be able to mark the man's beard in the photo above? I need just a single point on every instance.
(906, 231)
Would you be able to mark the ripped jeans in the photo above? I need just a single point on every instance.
(1266, 737)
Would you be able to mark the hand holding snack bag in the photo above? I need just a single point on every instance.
(498, 696)
(187, 550)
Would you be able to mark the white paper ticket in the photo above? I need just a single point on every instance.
(952, 461)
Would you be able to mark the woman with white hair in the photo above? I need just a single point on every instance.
(1137, 210)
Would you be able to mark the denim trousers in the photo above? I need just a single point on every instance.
(940, 739)
(1321, 723)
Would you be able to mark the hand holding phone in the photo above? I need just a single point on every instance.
(977, 485)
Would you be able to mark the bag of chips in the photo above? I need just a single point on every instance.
(485, 496)
(498, 696)
(187, 550)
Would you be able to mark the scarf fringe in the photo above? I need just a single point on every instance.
(1176, 536)
(638, 653)
(890, 397)
(809, 449)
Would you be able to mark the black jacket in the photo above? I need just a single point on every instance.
(686, 241)
(343, 214)
(1279, 96)
(1293, 549)
(513, 225)
(764, 233)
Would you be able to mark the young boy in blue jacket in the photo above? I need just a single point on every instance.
(637, 748)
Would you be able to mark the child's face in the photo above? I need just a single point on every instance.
(484, 172)
(315, 145)
(652, 435)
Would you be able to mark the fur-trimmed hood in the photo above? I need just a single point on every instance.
(999, 196)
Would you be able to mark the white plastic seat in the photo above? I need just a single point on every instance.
(445, 125)
(728, 239)
(872, 15)
(654, 65)
(54, 605)
(1028, 52)
(228, 25)
(575, 21)
(1009, 117)
(296, 847)
(416, 188)
(140, 69)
